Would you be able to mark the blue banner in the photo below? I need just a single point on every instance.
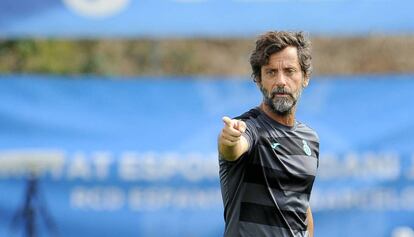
(201, 18)
(113, 157)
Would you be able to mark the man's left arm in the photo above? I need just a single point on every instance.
(310, 222)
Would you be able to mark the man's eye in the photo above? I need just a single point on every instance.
(271, 73)
(290, 70)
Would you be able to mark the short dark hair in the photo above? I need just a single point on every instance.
(275, 41)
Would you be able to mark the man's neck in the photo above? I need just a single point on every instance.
(287, 120)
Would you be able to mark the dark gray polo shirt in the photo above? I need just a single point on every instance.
(266, 191)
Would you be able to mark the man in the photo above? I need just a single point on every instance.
(268, 160)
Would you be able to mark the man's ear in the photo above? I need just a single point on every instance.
(305, 81)
(257, 80)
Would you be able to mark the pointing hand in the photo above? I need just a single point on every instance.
(232, 131)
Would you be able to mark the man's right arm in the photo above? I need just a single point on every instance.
(231, 144)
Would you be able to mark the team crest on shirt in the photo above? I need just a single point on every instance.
(306, 148)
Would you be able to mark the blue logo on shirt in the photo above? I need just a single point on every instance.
(306, 148)
(275, 144)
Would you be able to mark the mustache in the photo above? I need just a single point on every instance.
(279, 90)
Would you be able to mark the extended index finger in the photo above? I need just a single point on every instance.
(227, 121)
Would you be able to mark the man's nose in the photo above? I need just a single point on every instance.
(280, 80)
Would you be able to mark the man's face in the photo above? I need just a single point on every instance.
(282, 81)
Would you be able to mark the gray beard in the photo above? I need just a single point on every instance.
(281, 106)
